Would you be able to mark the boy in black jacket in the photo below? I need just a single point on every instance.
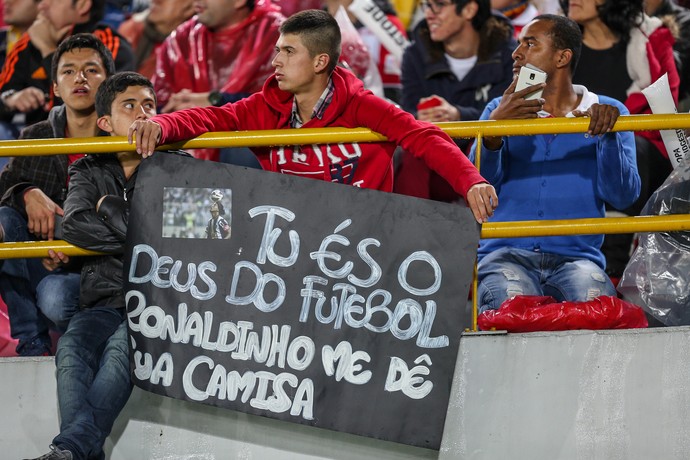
(92, 359)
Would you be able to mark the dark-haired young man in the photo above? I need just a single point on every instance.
(308, 90)
(33, 190)
(564, 176)
(92, 360)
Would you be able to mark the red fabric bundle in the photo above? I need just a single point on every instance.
(543, 313)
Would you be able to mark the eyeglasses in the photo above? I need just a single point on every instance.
(434, 6)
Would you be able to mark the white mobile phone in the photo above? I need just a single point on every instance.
(528, 76)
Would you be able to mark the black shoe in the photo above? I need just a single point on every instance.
(36, 347)
(55, 454)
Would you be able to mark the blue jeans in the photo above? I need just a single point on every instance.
(8, 131)
(508, 272)
(93, 379)
(35, 297)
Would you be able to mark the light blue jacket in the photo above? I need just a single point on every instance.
(564, 176)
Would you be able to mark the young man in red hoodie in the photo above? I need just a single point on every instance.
(308, 90)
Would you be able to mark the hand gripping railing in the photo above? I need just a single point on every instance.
(478, 129)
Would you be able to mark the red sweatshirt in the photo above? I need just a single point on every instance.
(367, 165)
(233, 59)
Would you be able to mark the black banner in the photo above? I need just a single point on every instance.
(297, 299)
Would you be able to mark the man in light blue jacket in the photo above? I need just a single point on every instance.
(564, 176)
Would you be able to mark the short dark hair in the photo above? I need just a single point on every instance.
(565, 35)
(483, 12)
(79, 42)
(319, 31)
(115, 85)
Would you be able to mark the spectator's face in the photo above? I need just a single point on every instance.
(583, 11)
(135, 103)
(168, 14)
(445, 24)
(80, 72)
(20, 13)
(216, 14)
(535, 47)
(294, 68)
(62, 13)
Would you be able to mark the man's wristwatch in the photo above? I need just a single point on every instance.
(215, 98)
(6, 94)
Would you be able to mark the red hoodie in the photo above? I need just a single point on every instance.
(234, 59)
(367, 165)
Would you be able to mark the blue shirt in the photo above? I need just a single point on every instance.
(563, 176)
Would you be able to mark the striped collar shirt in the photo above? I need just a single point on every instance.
(319, 109)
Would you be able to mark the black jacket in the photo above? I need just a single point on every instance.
(91, 178)
(48, 173)
(425, 71)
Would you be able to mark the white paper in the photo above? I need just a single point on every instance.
(376, 20)
(660, 100)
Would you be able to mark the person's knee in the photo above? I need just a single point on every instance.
(68, 352)
(117, 350)
(58, 298)
(13, 225)
(582, 281)
(499, 286)
(596, 283)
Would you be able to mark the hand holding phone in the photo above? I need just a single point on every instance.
(529, 76)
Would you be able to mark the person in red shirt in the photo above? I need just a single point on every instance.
(146, 31)
(308, 90)
(224, 48)
(220, 55)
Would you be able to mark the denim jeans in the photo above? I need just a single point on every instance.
(508, 272)
(93, 379)
(8, 131)
(35, 297)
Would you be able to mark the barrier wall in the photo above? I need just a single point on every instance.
(572, 395)
(594, 395)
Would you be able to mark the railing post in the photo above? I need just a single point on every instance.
(477, 163)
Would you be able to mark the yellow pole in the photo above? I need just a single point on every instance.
(607, 225)
(28, 249)
(303, 136)
(670, 223)
(475, 307)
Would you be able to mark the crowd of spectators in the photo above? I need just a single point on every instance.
(461, 57)
(209, 65)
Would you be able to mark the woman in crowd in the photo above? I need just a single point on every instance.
(460, 59)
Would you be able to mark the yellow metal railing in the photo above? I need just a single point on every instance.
(277, 137)
(469, 129)
(518, 229)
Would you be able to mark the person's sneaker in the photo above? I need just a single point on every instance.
(55, 454)
(37, 347)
